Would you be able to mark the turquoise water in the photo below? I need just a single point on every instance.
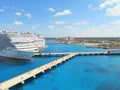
(79, 73)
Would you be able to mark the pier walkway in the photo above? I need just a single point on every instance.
(21, 78)
(66, 53)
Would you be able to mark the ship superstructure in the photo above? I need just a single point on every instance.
(19, 45)
(38, 40)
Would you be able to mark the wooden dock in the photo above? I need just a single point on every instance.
(92, 53)
(21, 78)
(53, 54)
(67, 53)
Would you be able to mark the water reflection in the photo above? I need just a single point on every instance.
(101, 70)
(17, 87)
(11, 61)
(109, 85)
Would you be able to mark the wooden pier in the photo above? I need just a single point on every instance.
(21, 78)
(67, 53)
(53, 54)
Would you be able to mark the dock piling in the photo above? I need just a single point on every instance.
(22, 82)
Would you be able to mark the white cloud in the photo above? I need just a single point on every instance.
(82, 23)
(65, 12)
(105, 31)
(68, 27)
(2, 10)
(112, 7)
(88, 31)
(104, 26)
(34, 27)
(18, 23)
(51, 27)
(100, 32)
(11, 28)
(90, 6)
(13, 7)
(28, 15)
(18, 13)
(5, 7)
(51, 9)
(59, 22)
(108, 3)
(115, 11)
(22, 10)
(117, 22)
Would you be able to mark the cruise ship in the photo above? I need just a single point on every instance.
(38, 40)
(20, 45)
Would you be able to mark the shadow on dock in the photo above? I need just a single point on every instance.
(20, 85)
(17, 87)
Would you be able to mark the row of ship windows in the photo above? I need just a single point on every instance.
(24, 48)
(20, 48)
(27, 48)
(29, 45)
(32, 38)
(27, 38)
(26, 42)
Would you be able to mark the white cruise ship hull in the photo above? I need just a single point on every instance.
(21, 45)
(17, 54)
(41, 49)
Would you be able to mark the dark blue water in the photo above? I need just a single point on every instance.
(70, 48)
(80, 73)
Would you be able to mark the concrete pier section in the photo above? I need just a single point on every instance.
(67, 53)
(66, 56)
(21, 78)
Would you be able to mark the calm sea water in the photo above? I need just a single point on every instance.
(80, 73)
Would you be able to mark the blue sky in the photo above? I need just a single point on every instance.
(57, 18)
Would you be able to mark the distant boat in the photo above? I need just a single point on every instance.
(114, 51)
(21, 45)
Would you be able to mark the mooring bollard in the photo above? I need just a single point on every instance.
(23, 82)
